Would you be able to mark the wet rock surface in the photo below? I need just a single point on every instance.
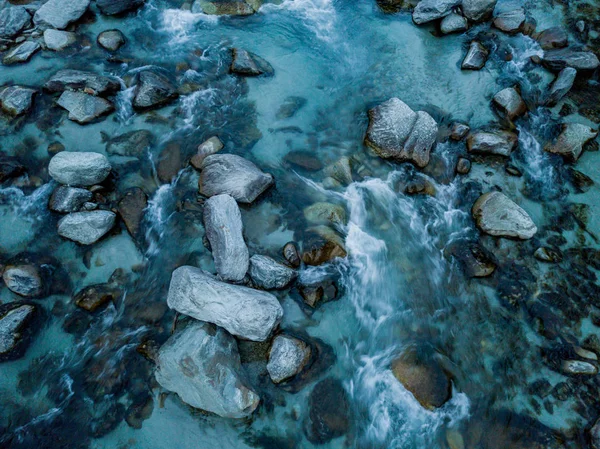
(115, 7)
(13, 19)
(82, 80)
(287, 357)
(248, 64)
(79, 168)
(153, 90)
(571, 141)
(84, 108)
(66, 199)
(86, 227)
(17, 327)
(111, 40)
(499, 143)
(510, 103)
(60, 13)
(131, 209)
(269, 274)
(21, 53)
(329, 411)
(498, 215)
(16, 100)
(476, 57)
(429, 10)
(58, 40)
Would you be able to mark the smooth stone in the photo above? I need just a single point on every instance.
(57, 40)
(153, 90)
(290, 107)
(510, 103)
(60, 13)
(558, 59)
(329, 412)
(224, 230)
(66, 199)
(269, 274)
(578, 367)
(133, 143)
(510, 22)
(115, 7)
(21, 53)
(463, 166)
(571, 140)
(555, 37)
(201, 363)
(84, 108)
(242, 311)
(226, 7)
(453, 23)
(497, 215)
(93, 297)
(288, 356)
(561, 85)
(430, 10)
(86, 227)
(79, 168)
(478, 10)
(586, 354)
(82, 80)
(248, 64)
(16, 100)
(459, 131)
(15, 329)
(131, 209)
(303, 159)
(325, 213)
(233, 175)
(13, 20)
(111, 40)
(24, 280)
(340, 171)
(206, 148)
(476, 57)
(290, 253)
(322, 244)
(500, 143)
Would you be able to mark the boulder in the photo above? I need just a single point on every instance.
(131, 209)
(153, 90)
(459, 131)
(288, 357)
(86, 227)
(478, 10)
(509, 103)
(79, 168)
(325, 213)
(133, 143)
(555, 37)
(115, 7)
(268, 274)
(16, 329)
(16, 100)
(453, 23)
(290, 253)
(201, 363)
(233, 175)
(226, 7)
(84, 108)
(500, 143)
(430, 10)
(248, 64)
(475, 260)
(224, 227)
(328, 412)
(397, 132)
(558, 59)
(322, 244)
(242, 311)
(511, 21)
(497, 215)
(476, 57)
(82, 80)
(210, 146)
(57, 40)
(571, 140)
(21, 53)
(111, 40)
(66, 199)
(24, 280)
(60, 13)
(561, 85)
(13, 20)
(92, 297)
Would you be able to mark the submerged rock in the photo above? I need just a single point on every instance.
(290, 253)
(79, 168)
(545, 254)
(397, 132)
(463, 166)
(453, 23)
(459, 131)
(329, 412)
(60, 13)
(476, 57)
(16, 329)
(153, 90)
(21, 53)
(478, 10)
(114, 7)
(13, 20)
(498, 215)
(558, 59)
(233, 175)
(16, 100)
(315, 293)
(269, 274)
(24, 280)
(249, 64)
(131, 209)
(500, 143)
(227, 7)
(111, 40)
(84, 108)
(92, 297)
(202, 365)
(511, 21)
(82, 80)
(86, 227)
(205, 149)
(322, 244)
(288, 356)
(476, 261)
(242, 311)
(10, 167)
(223, 224)
(510, 103)
(133, 143)
(430, 10)
(571, 140)
(57, 40)
(561, 85)
(325, 213)
(555, 37)
(290, 106)
(66, 199)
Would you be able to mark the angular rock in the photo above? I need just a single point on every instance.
(288, 356)
(16, 329)
(210, 146)
(201, 363)
(82, 80)
(459, 131)
(226, 7)
(269, 274)
(233, 175)
(325, 213)
(66, 199)
(57, 40)
(115, 7)
(340, 170)
(430, 10)
(555, 37)
(453, 23)
(290, 106)
(476, 57)
(24, 280)
(478, 10)
(242, 311)
(571, 140)
(558, 59)
(561, 85)
(578, 367)
(319, 292)
(13, 20)
(500, 143)
(329, 412)
(497, 215)
(111, 40)
(16, 100)
(92, 297)
(21, 53)
(60, 13)
(131, 209)
(249, 64)
(224, 227)
(510, 22)
(476, 261)
(79, 168)
(510, 103)
(397, 132)
(84, 108)
(290, 253)
(86, 227)
(133, 143)
(322, 244)
(153, 90)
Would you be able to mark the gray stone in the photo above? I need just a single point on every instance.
(325, 213)
(24, 280)
(478, 10)
(58, 40)
(233, 175)
(497, 215)
(430, 10)
(226, 7)
(500, 143)
(561, 85)
(82, 80)
(459, 131)
(13, 20)
(202, 365)
(21, 53)
(578, 367)
(60, 13)
(249, 64)
(153, 90)
(115, 7)
(453, 23)
(288, 356)
(555, 37)
(66, 199)
(86, 227)
(210, 146)
(133, 143)
(571, 140)
(340, 170)
(269, 274)
(84, 108)
(558, 59)
(476, 57)
(111, 40)
(16, 100)
(242, 311)
(510, 22)
(79, 168)
(509, 103)
(15, 319)
(223, 224)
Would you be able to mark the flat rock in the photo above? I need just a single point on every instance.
(233, 175)
(24, 280)
(21, 53)
(16, 100)
(79, 168)
(288, 356)
(201, 363)
(571, 140)
(478, 10)
(57, 40)
(67, 199)
(131, 209)
(269, 274)
(133, 143)
(242, 311)
(60, 13)
(249, 64)
(206, 148)
(111, 40)
(497, 215)
(558, 59)
(86, 227)
(115, 7)
(511, 21)
(500, 143)
(329, 411)
(561, 85)
(476, 57)
(224, 227)
(84, 108)
(153, 90)
(578, 368)
(430, 10)
(82, 80)
(555, 37)
(16, 329)
(509, 103)
(453, 23)
(226, 7)
(13, 20)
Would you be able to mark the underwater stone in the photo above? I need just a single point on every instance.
(132, 143)
(555, 37)
(16, 100)
(475, 260)
(561, 85)
(111, 40)
(115, 7)
(60, 13)
(322, 244)
(86, 227)
(288, 356)
(476, 57)
(269, 274)
(21, 53)
(453, 23)
(92, 297)
(500, 143)
(79, 168)
(510, 103)
(329, 411)
(226, 7)
(153, 90)
(249, 64)
(549, 255)
(131, 209)
(82, 80)
(459, 131)
(13, 19)
(325, 213)
(430, 10)
(478, 10)
(16, 329)
(498, 215)
(84, 108)
(463, 166)
(58, 40)
(24, 280)
(571, 140)
(68, 199)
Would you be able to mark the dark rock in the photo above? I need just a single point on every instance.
(509, 103)
(510, 22)
(16, 100)
(463, 166)
(84, 108)
(249, 64)
(169, 162)
(319, 292)
(581, 181)
(325, 213)
(227, 7)
(500, 143)
(10, 167)
(13, 20)
(21, 53)
(561, 85)
(459, 131)
(93, 297)
(131, 209)
(476, 57)
(111, 40)
(17, 327)
(139, 411)
(60, 13)
(571, 140)
(513, 170)
(558, 59)
(476, 261)
(290, 253)
(555, 37)
(115, 7)
(133, 143)
(322, 244)
(545, 254)
(153, 90)
(82, 80)
(68, 199)
(290, 106)
(303, 159)
(329, 412)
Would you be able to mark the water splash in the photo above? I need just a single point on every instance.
(317, 15)
(124, 105)
(180, 24)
